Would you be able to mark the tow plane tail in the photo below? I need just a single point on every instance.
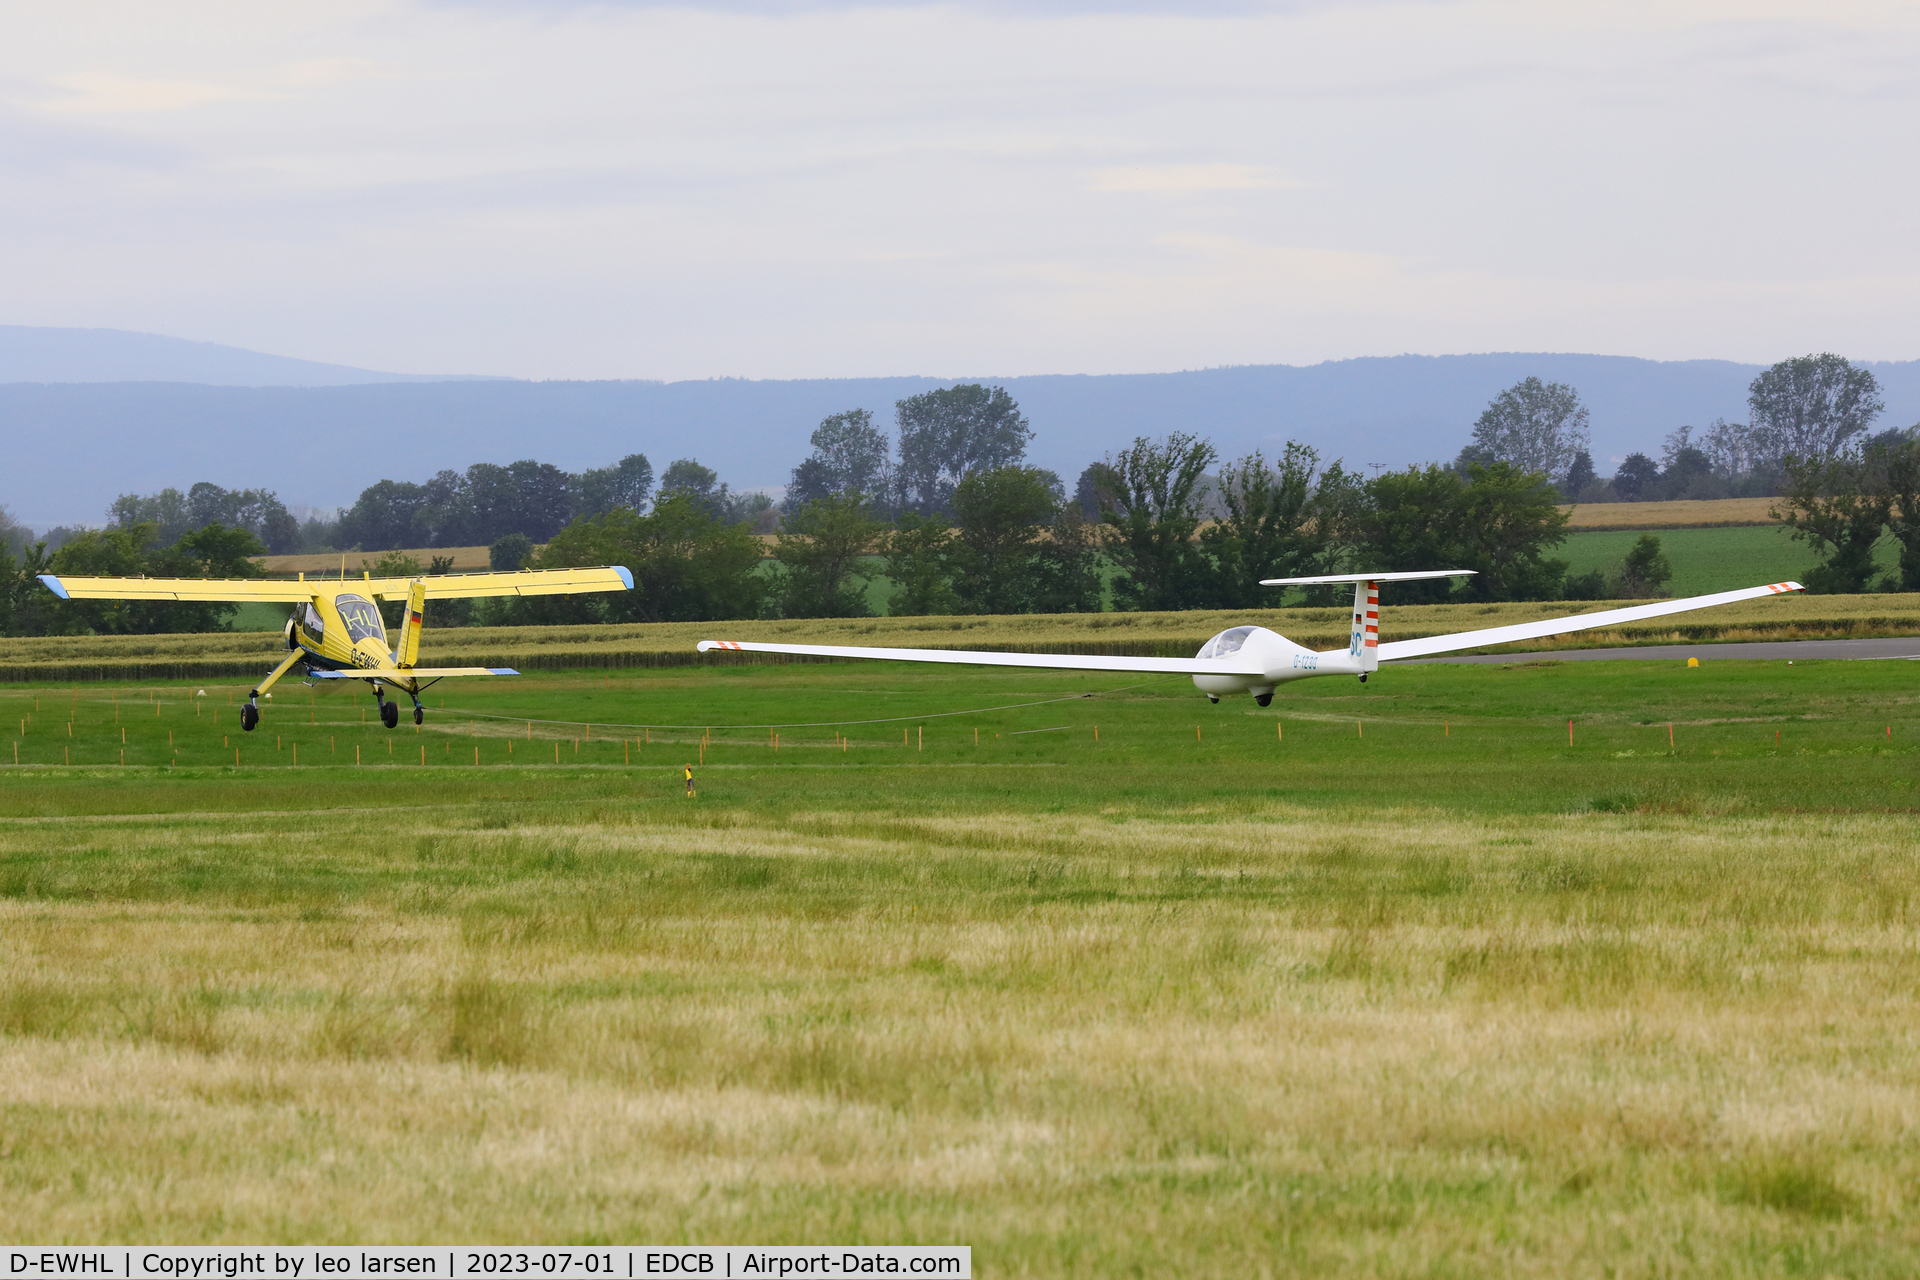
(407, 652)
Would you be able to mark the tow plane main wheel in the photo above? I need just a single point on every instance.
(390, 714)
(249, 716)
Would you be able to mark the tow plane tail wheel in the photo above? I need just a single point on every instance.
(419, 713)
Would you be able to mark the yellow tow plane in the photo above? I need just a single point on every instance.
(336, 631)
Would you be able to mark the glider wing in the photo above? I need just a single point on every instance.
(1391, 650)
(968, 657)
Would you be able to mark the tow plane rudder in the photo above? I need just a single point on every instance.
(407, 652)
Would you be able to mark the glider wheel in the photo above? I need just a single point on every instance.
(1263, 699)
(249, 716)
(419, 715)
(390, 714)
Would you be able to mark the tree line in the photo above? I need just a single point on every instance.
(1841, 487)
(1813, 406)
(1008, 539)
(946, 512)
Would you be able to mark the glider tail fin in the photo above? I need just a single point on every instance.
(1364, 646)
(407, 652)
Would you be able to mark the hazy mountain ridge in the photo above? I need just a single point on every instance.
(34, 354)
(75, 446)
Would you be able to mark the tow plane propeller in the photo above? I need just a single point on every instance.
(1255, 660)
(336, 631)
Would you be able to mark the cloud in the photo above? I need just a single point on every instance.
(115, 93)
(1183, 178)
(583, 190)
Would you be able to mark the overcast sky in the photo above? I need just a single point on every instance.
(556, 190)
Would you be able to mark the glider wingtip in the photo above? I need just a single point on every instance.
(503, 671)
(52, 583)
(626, 575)
(707, 646)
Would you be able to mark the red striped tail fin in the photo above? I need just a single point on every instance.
(1364, 645)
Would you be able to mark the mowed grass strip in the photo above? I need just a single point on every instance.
(249, 655)
(1385, 979)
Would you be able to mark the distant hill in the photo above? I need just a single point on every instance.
(116, 355)
(73, 447)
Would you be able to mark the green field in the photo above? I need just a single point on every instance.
(1387, 979)
(1706, 560)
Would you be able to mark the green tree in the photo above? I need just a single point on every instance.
(27, 608)
(1404, 520)
(999, 516)
(1271, 528)
(820, 548)
(598, 490)
(947, 435)
(687, 565)
(1645, 570)
(1533, 426)
(1506, 521)
(850, 455)
(1580, 474)
(918, 555)
(1897, 459)
(1151, 503)
(509, 552)
(1496, 521)
(213, 551)
(1067, 569)
(1809, 407)
(1838, 505)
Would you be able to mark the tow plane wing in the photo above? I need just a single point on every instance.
(402, 674)
(447, 586)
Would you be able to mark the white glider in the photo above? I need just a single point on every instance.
(1255, 660)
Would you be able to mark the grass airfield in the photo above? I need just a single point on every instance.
(1385, 979)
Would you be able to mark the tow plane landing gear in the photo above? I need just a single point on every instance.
(389, 711)
(250, 709)
(419, 712)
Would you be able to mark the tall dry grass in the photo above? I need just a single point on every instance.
(1244, 1039)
